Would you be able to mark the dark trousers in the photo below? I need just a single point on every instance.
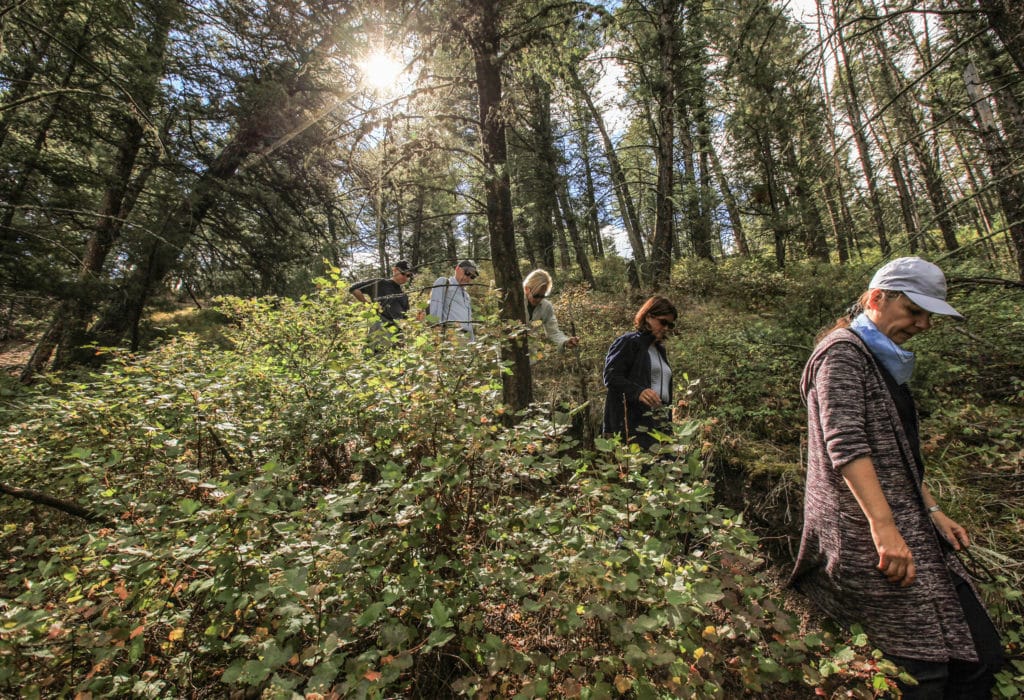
(956, 679)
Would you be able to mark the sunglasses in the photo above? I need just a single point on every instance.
(538, 296)
(668, 324)
(471, 275)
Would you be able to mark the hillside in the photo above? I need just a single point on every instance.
(274, 511)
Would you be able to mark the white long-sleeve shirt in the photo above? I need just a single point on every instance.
(545, 313)
(450, 304)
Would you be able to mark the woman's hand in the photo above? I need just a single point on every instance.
(951, 530)
(650, 398)
(895, 559)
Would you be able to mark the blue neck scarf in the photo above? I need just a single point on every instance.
(897, 361)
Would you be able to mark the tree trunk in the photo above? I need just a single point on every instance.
(416, 237)
(910, 223)
(700, 234)
(1009, 184)
(574, 231)
(833, 207)
(589, 191)
(664, 95)
(118, 199)
(630, 220)
(517, 386)
(815, 244)
(731, 206)
(843, 226)
(853, 109)
(20, 85)
(30, 166)
(909, 131)
(780, 229)
(1006, 20)
(152, 265)
(542, 180)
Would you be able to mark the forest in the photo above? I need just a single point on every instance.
(210, 485)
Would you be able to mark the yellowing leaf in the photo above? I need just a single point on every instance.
(176, 634)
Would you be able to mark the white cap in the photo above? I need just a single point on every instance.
(922, 282)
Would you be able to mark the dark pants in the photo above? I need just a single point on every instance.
(956, 679)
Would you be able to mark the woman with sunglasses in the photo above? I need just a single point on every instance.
(638, 376)
(876, 549)
(536, 287)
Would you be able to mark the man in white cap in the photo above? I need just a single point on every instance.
(450, 303)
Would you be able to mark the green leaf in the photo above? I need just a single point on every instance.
(439, 615)
(296, 578)
(370, 615)
(438, 638)
(189, 506)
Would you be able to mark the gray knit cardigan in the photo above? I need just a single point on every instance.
(851, 414)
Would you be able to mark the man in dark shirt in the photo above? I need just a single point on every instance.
(391, 298)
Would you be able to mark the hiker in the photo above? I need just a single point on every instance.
(392, 300)
(536, 287)
(450, 303)
(638, 376)
(876, 549)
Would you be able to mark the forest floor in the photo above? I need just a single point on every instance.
(13, 356)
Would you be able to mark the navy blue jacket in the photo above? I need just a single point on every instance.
(627, 372)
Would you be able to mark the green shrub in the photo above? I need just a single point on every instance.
(292, 514)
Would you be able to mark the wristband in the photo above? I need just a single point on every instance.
(934, 509)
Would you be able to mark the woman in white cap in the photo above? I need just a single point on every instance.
(876, 549)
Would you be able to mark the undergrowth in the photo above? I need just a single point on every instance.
(281, 513)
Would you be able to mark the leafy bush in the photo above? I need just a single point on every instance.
(293, 514)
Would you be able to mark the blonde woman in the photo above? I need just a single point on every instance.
(536, 287)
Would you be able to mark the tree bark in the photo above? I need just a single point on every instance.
(664, 91)
(815, 244)
(54, 502)
(543, 193)
(485, 41)
(589, 190)
(731, 206)
(1006, 20)
(22, 83)
(574, 231)
(909, 132)
(853, 109)
(152, 265)
(119, 197)
(1009, 185)
(630, 220)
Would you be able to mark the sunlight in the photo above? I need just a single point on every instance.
(381, 71)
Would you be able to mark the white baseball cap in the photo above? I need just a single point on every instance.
(922, 282)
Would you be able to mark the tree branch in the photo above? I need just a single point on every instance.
(53, 502)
